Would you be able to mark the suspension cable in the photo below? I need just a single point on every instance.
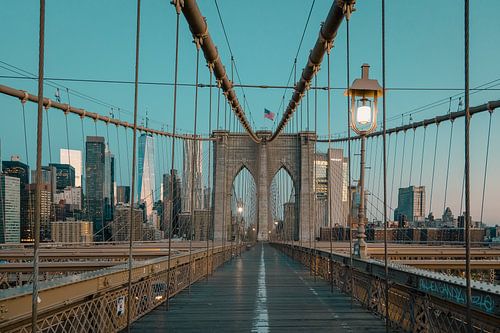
(433, 168)
(48, 132)
(194, 156)
(448, 167)
(394, 167)
(328, 156)
(131, 230)
(466, 167)
(348, 73)
(38, 202)
(210, 187)
(402, 161)
(119, 156)
(486, 166)
(422, 157)
(412, 155)
(384, 136)
(177, 4)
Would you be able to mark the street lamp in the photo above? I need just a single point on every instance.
(240, 213)
(363, 93)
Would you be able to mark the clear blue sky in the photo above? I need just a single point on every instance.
(95, 40)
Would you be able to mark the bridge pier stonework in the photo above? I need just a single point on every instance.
(293, 152)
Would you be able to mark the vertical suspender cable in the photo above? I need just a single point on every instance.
(308, 116)
(433, 167)
(422, 158)
(349, 174)
(467, 167)
(411, 161)
(210, 219)
(119, 157)
(195, 155)
(394, 166)
(448, 167)
(177, 4)
(314, 170)
(48, 132)
(402, 160)
(132, 195)
(328, 191)
(384, 136)
(486, 166)
(34, 299)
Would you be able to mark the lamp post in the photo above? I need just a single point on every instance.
(239, 221)
(363, 93)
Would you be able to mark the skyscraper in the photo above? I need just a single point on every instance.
(123, 194)
(73, 158)
(65, 175)
(192, 150)
(94, 180)
(16, 168)
(45, 208)
(331, 177)
(337, 181)
(109, 184)
(10, 206)
(411, 204)
(146, 173)
(48, 177)
(171, 212)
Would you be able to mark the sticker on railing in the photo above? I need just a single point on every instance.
(120, 306)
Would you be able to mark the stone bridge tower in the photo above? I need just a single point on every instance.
(293, 152)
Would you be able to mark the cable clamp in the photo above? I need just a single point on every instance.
(49, 104)
(67, 108)
(179, 4)
(307, 85)
(198, 39)
(210, 65)
(25, 97)
(490, 107)
(348, 8)
(327, 44)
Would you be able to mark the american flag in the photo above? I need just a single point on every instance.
(268, 114)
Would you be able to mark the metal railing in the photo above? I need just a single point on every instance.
(419, 300)
(97, 301)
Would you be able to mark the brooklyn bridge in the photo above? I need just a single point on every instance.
(358, 196)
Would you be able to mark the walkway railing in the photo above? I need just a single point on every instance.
(419, 300)
(97, 301)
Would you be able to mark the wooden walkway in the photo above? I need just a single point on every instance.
(261, 291)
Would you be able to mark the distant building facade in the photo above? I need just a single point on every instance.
(120, 227)
(16, 168)
(411, 204)
(10, 208)
(45, 209)
(73, 158)
(94, 180)
(72, 231)
(192, 175)
(123, 194)
(65, 175)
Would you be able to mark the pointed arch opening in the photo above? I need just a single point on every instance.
(283, 204)
(242, 224)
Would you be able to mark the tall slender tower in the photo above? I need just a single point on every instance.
(146, 190)
(94, 180)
